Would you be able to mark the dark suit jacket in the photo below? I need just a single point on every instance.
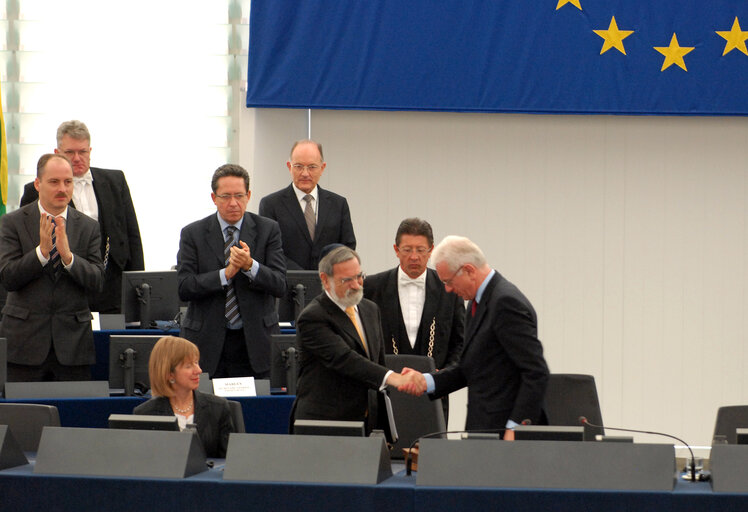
(212, 417)
(337, 380)
(119, 228)
(43, 309)
(333, 225)
(502, 361)
(199, 260)
(445, 311)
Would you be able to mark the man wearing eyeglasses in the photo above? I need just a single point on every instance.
(230, 267)
(341, 351)
(103, 195)
(418, 315)
(502, 361)
(310, 217)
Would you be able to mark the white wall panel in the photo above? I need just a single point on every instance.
(628, 234)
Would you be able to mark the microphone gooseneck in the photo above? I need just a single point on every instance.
(584, 421)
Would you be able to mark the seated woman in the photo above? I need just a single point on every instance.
(175, 375)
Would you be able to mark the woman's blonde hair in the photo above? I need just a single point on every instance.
(167, 354)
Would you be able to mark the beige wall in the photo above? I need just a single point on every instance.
(628, 234)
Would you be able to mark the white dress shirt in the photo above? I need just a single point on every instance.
(84, 196)
(412, 293)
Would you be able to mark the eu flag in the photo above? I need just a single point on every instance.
(537, 56)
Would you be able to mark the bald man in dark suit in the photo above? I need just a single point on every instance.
(310, 217)
(49, 263)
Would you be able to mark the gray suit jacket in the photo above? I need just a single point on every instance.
(43, 309)
(442, 310)
(337, 379)
(199, 261)
(120, 234)
(502, 361)
(333, 225)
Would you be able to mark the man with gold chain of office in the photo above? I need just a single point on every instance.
(418, 315)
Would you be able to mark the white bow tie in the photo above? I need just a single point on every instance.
(418, 281)
(85, 179)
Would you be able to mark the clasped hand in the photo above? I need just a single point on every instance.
(47, 224)
(409, 381)
(239, 259)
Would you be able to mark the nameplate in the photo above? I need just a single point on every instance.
(311, 459)
(546, 464)
(728, 464)
(238, 386)
(11, 454)
(115, 452)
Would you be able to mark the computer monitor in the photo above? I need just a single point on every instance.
(548, 433)
(128, 362)
(149, 296)
(741, 435)
(301, 287)
(143, 422)
(283, 362)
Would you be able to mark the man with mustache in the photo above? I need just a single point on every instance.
(50, 263)
(341, 350)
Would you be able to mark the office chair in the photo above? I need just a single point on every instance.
(414, 416)
(237, 414)
(26, 422)
(729, 418)
(570, 396)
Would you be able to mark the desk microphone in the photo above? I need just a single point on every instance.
(585, 422)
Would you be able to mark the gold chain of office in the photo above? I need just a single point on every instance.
(432, 331)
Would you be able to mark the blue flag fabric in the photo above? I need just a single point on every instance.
(536, 56)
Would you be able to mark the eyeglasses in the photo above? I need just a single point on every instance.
(348, 280)
(70, 153)
(448, 282)
(229, 197)
(418, 250)
(300, 168)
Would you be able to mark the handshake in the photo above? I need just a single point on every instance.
(408, 381)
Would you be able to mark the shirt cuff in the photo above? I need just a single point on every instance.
(222, 275)
(383, 386)
(41, 257)
(511, 424)
(252, 272)
(430, 385)
(72, 259)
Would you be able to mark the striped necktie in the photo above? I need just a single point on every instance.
(309, 217)
(54, 254)
(232, 307)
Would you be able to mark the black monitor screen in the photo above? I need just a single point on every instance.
(279, 359)
(118, 346)
(143, 422)
(150, 294)
(548, 433)
(329, 428)
(298, 283)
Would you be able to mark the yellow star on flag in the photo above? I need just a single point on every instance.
(735, 38)
(674, 54)
(575, 3)
(613, 37)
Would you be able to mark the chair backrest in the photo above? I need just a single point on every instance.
(729, 418)
(570, 396)
(26, 422)
(237, 414)
(414, 416)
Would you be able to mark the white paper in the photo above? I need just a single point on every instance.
(234, 386)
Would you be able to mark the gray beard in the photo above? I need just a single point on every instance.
(352, 298)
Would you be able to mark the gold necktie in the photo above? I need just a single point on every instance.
(351, 312)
